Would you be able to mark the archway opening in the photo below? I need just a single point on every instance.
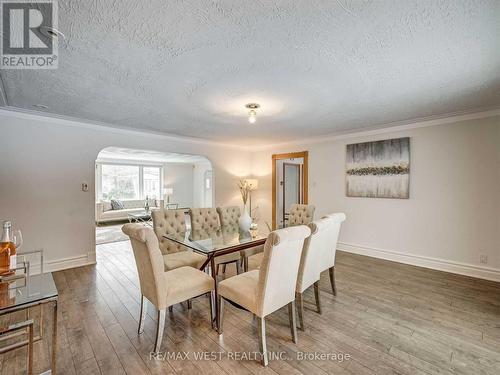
(130, 183)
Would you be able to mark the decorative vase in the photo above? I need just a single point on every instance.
(245, 221)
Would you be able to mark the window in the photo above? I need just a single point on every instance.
(151, 177)
(127, 182)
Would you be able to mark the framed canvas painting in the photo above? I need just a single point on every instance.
(379, 169)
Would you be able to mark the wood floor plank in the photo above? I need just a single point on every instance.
(106, 358)
(390, 318)
(88, 367)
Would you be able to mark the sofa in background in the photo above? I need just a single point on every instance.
(105, 213)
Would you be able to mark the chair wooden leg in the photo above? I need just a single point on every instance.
(220, 316)
(293, 323)
(262, 341)
(245, 264)
(142, 316)
(159, 330)
(190, 305)
(300, 309)
(238, 267)
(331, 270)
(223, 268)
(316, 295)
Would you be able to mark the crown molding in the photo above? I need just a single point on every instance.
(372, 131)
(102, 126)
(388, 128)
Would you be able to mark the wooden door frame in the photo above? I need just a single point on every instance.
(289, 155)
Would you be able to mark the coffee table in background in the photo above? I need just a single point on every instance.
(141, 217)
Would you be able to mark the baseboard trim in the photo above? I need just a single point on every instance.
(486, 273)
(71, 262)
(459, 268)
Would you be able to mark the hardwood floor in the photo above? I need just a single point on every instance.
(388, 317)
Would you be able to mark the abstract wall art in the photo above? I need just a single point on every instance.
(379, 169)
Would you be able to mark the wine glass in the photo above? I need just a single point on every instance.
(17, 238)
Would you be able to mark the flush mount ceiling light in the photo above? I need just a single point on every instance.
(252, 113)
(51, 32)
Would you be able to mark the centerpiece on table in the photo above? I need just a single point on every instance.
(245, 221)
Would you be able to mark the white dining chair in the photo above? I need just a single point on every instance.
(327, 261)
(271, 287)
(315, 257)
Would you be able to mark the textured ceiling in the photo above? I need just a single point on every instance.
(316, 67)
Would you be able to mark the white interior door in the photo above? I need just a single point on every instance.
(291, 188)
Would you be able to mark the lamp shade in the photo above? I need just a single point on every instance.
(253, 183)
(168, 191)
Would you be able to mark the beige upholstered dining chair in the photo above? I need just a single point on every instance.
(316, 255)
(327, 261)
(174, 255)
(229, 217)
(207, 220)
(300, 214)
(271, 287)
(162, 288)
(204, 219)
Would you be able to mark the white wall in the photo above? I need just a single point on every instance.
(200, 169)
(45, 160)
(453, 212)
(179, 177)
(451, 218)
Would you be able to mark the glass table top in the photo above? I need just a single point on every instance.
(26, 290)
(142, 213)
(209, 241)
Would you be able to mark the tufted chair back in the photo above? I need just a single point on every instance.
(229, 216)
(204, 219)
(279, 268)
(149, 262)
(300, 214)
(168, 222)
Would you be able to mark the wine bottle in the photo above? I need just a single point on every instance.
(8, 257)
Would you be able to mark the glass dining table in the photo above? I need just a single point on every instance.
(22, 294)
(217, 242)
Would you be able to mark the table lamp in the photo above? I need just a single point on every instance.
(167, 192)
(253, 184)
